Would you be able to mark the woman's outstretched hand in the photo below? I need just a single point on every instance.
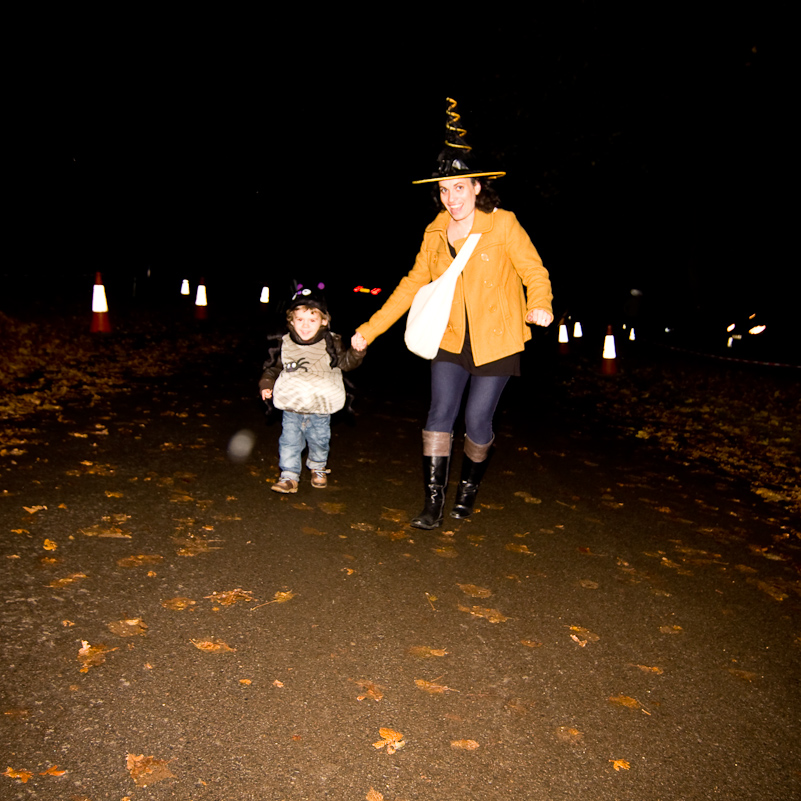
(539, 317)
(358, 342)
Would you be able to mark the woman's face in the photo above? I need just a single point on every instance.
(458, 195)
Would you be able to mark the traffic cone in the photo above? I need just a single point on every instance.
(577, 332)
(185, 286)
(609, 366)
(201, 304)
(564, 346)
(100, 321)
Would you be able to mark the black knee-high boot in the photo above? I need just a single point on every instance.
(474, 465)
(436, 459)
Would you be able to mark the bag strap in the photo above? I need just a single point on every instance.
(458, 264)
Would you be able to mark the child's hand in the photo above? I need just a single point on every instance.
(358, 342)
(266, 394)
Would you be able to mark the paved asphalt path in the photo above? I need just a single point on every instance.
(609, 625)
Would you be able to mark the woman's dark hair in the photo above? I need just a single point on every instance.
(486, 200)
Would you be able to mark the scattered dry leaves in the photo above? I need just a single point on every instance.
(229, 597)
(128, 628)
(53, 771)
(464, 745)
(147, 770)
(629, 702)
(393, 740)
(137, 560)
(67, 580)
(278, 598)
(492, 615)
(212, 646)
(22, 775)
(424, 652)
(433, 688)
(474, 591)
(369, 690)
(179, 603)
(583, 636)
(569, 735)
(92, 655)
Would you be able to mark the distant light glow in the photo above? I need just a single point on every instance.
(265, 294)
(200, 297)
(375, 290)
(757, 329)
(731, 327)
(562, 334)
(184, 287)
(609, 347)
(632, 338)
(577, 332)
(730, 342)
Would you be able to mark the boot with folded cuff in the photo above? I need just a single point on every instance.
(436, 459)
(474, 465)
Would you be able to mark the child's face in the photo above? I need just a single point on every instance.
(307, 322)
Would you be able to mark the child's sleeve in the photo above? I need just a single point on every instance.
(272, 368)
(347, 358)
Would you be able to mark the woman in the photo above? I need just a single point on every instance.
(488, 325)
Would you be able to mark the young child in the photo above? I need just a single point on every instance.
(304, 379)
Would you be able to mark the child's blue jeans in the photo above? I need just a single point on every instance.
(298, 431)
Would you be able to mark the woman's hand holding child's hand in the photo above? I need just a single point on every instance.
(358, 342)
(266, 394)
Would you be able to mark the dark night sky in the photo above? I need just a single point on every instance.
(641, 151)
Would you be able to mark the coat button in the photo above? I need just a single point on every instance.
(493, 308)
(488, 284)
(484, 257)
(497, 331)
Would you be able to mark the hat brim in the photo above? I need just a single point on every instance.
(496, 174)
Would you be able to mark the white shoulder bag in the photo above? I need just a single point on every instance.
(431, 307)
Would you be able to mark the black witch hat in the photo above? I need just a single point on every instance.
(455, 160)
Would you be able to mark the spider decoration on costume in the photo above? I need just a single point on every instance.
(300, 364)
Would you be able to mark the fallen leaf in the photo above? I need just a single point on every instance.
(492, 615)
(771, 589)
(519, 548)
(246, 682)
(313, 531)
(32, 510)
(589, 585)
(278, 684)
(374, 795)
(646, 669)
(671, 629)
(332, 508)
(629, 702)
(394, 515)
(178, 604)
(92, 655)
(464, 745)
(230, 597)
(393, 740)
(54, 771)
(433, 688)
(363, 526)
(531, 643)
(139, 559)
(424, 652)
(67, 580)
(278, 598)
(49, 545)
(370, 690)
(583, 636)
(474, 591)
(620, 764)
(446, 551)
(745, 675)
(147, 770)
(569, 735)
(22, 775)
(527, 497)
(212, 646)
(128, 628)
(112, 532)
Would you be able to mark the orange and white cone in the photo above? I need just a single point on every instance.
(100, 321)
(609, 366)
(564, 340)
(201, 303)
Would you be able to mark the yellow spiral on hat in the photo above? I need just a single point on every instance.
(451, 125)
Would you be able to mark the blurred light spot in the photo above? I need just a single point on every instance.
(241, 445)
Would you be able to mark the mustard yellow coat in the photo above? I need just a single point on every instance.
(489, 290)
